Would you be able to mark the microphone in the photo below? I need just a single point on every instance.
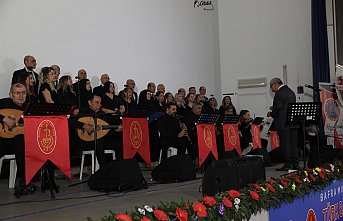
(77, 77)
(125, 85)
(311, 87)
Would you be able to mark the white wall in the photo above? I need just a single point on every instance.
(152, 40)
(257, 38)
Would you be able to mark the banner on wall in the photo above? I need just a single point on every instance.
(331, 111)
(320, 205)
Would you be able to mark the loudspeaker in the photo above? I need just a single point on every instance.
(176, 168)
(228, 174)
(118, 175)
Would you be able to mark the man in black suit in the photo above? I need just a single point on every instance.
(30, 64)
(288, 136)
(99, 90)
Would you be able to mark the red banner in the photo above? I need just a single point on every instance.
(274, 139)
(136, 138)
(46, 139)
(256, 136)
(206, 141)
(337, 140)
(231, 138)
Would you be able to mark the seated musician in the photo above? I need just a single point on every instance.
(85, 126)
(10, 111)
(172, 132)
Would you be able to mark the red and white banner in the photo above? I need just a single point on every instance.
(274, 139)
(206, 141)
(331, 112)
(46, 138)
(256, 136)
(231, 138)
(136, 138)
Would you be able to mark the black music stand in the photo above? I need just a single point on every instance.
(47, 109)
(208, 118)
(230, 119)
(302, 114)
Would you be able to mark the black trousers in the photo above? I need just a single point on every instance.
(289, 144)
(15, 146)
(180, 143)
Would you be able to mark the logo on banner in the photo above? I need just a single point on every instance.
(232, 135)
(331, 109)
(208, 137)
(136, 134)
(255, 132)
(276, 140)
(46, 136)
(311, 216)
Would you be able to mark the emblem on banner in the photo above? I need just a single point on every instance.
(256, 133)
(331, 109)
(232, 135)
(46, 136)
(311, 216)
(208, 137)
(136, 134)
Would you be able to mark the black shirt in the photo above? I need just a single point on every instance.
(53, 93)
(7, 103)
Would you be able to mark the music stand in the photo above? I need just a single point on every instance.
(47, 109)
(230, 119)
(208, 118)
(302, 114)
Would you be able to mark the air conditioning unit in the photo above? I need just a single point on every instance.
(252, 82)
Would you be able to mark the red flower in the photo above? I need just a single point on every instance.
(160, 215)
(321, 176)
(210, 201)
(298, 180)
(270, 187)
(284, 183)
(285, 179)
(313, 178)
(181, 214)
(254, 195)
(123, 217)
(200, 209)
(234, 193)
(145, 219)
(227, 202)
(257, 187)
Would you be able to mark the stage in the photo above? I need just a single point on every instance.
(78, 202)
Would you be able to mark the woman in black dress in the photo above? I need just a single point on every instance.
(226, 102)
(109, 101)
(65, 91)
(28, 80)
(47, 90)
(85, 90)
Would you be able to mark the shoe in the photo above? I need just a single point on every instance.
(20, 190)
(31, 188)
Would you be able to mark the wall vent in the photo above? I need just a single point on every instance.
(252, 82)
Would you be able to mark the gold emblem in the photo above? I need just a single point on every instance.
(256, 134)
(136, 136)
(208, 137)
(46, 136)
(276, 140)
(232, 135)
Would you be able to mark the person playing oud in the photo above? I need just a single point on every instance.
(12, 137)
(85, 123)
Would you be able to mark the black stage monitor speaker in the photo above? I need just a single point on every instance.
(177, 168)
(118, 175)
(228, 174)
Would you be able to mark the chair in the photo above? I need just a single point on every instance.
(13, 169)
(170, 152)
(95, 165)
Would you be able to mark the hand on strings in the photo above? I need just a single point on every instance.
(119, 129)
(89, 128)
(9, 121)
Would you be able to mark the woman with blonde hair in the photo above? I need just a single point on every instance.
(47, 90)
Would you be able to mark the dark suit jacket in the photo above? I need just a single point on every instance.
(16, 76)
(282, 98)
(99, 90)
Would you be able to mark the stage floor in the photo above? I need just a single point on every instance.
(78, 202)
